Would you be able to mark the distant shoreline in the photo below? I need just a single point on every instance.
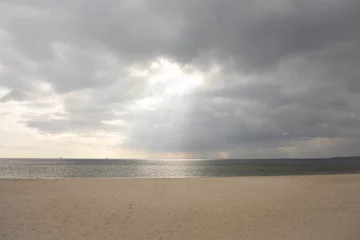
(185, 159)
(127, 168)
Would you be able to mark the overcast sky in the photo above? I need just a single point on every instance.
(176, 79)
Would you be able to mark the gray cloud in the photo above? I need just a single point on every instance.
(289, 71)
(254, 33)
(272, 111)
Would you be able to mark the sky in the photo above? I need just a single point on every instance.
(179, 79)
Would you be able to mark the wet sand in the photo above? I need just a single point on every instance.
(296, 207)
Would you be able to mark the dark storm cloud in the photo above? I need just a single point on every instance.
(290, 69)
(260, 33)
(254, 33)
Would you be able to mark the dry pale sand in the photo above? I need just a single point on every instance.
(298, 207)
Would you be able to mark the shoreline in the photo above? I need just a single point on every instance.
(249, 207)
(192, 177)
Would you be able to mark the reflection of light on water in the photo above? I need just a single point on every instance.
(168, 170)
(52, 169)
(65, 169)
(176, 160)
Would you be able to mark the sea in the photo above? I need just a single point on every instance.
(172, 168)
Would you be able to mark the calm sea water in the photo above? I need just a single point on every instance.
(126, 168)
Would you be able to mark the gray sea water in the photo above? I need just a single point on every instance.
(129, 168)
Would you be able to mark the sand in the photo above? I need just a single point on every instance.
(297, 207)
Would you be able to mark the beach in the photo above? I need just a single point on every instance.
(276, 207)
